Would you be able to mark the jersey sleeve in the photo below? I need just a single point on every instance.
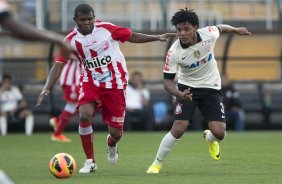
(118, 33)
(59, 58)
(213, 31)
(170, 63)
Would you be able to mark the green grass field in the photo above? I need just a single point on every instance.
(249, 157)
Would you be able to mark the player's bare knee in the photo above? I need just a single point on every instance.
(116, 137)
(84, 118)
(178, 129)
(219, 134)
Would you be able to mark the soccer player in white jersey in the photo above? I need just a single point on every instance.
(29, 32)
(69, 81)
(103, 79)
(192, 58)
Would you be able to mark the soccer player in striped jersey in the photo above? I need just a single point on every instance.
(103, 77)
(29, 32)
(192, 57)
(69, 81)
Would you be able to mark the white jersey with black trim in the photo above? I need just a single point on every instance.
(195, 65)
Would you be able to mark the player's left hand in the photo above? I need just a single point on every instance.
(187, 95)
(164, 37)
(41, 97)
(243, 31)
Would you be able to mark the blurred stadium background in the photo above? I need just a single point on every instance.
(253, 63)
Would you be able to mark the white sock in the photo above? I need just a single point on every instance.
(210, 137)
(29, 123)
(3, 125)
(165, 147)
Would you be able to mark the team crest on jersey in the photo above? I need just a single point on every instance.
(106, 45)
(207, 45)
(178, 108)
(197, 54)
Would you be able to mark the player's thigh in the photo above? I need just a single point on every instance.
(113, 108)
(86, 111)
(184, 110)
(71, 93)
(211, 106)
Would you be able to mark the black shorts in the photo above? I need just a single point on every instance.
(209, 101)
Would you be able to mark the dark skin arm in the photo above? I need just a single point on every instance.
(29, 32)
(230, 29)
(54, 75)
(170, 87)
(143, 38)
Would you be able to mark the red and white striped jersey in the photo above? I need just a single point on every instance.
(70, 73)
(101, 60)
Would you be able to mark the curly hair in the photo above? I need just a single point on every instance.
(185, 15)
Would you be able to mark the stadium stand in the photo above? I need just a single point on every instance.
(253, 63)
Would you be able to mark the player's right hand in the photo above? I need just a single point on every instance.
(41, 97)
(187, 95)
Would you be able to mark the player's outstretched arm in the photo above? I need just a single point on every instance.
(143, 38)
(29, 32)
(230, 29)
(54, 75)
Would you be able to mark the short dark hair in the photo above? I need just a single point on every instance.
(185, 15)
(6, 76)
(84, 9)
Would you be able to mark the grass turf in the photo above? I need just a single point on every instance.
(249, 157)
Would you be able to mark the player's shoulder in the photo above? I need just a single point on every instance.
(175, 47)
(71, 35)
(100, 23)
(209, 31)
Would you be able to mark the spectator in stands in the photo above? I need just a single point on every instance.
(13, 107)
(138, 107)
(235, 115)
(29, 32)
(69, 81)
